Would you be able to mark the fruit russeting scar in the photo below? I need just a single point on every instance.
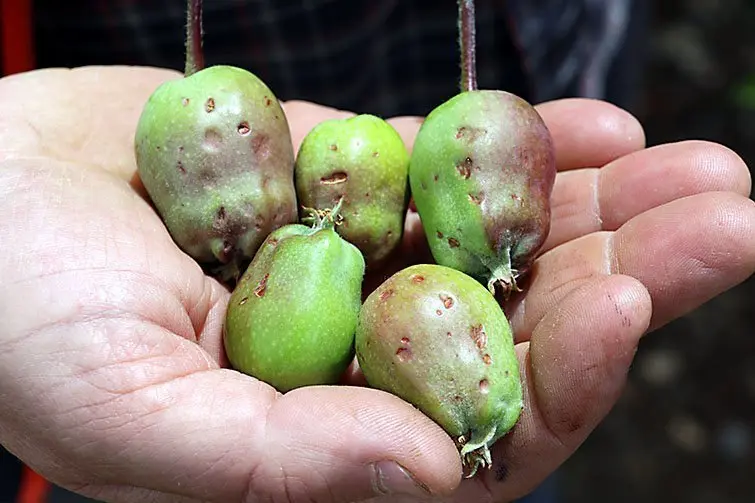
(292, 316)
(438, 339)
(363, 160)
(481, 173)
(214, 152)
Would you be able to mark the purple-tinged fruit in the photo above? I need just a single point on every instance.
(438, 339)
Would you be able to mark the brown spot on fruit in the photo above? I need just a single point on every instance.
(439, 312)
(448, 301)
(453, 242)
(516, 198)
(457, 398)
(460, 132)
(449, 334)
(484, 386)
(404, 354)
(261, 287)
(221, 215)
(243, 129)
(486, 359)
(405, 340)
(185, 101)
(243, 301)
(439, 234)
(417, 279)
(273, 242)
(268, 101)
(334, 148)
(376, 154)
(475, 199)
(334, 178)
(209, 105)
(479, 336)
(181, 168)
(386, 294)
(465, 168)
(435, 178)
(261, 145)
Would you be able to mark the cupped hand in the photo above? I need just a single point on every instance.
(112, 374)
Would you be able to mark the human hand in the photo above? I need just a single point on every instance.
(112, 372)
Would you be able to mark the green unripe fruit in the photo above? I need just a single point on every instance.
(438, 339)
(291, 318)
(363, 160)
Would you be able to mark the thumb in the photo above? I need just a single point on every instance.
(350, 444)
(227, 437)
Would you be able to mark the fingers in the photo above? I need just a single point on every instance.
(302, 116)
(407, 127)
(573, 372)
(685, 252)
(591, 200)
(588, 133)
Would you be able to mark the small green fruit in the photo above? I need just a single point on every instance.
(481, 173)
(292, 316)
(438, 339)
(214, 152)
(363, 160)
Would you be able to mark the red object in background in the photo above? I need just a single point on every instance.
(33, 488)
(17, 55)
(16, 32)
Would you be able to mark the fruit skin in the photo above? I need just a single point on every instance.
(482, 172)
(214, 153)
(292, 316)
(364, 160)
(438, 339)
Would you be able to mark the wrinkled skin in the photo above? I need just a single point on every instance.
(112, 375)
(438, 339)
(291, 318)
(363, 161)
(215, 155)
(482, 174)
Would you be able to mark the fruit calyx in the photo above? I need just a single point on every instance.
(502, 276)
(327, 218)
(475, 452)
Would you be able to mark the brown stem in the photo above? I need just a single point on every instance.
(194, 51)
(467, 45)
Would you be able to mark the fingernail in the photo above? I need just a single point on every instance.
(388, 478)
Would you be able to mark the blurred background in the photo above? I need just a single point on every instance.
(684, 429)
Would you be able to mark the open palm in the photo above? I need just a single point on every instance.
(112, 373)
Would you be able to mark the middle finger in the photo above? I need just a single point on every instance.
(602, 199)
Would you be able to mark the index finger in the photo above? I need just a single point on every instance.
(586, 133)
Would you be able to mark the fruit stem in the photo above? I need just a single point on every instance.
(467, 45)
(194, 51)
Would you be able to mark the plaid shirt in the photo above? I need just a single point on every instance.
(386, 57)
